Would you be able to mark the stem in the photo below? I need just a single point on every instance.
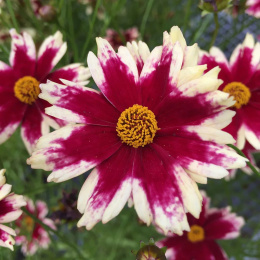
(216, 30)
(91, 27)
(71, 30)
(250, 165)
(11, 11)
(187, 15)
(50, 230)
(146, 14)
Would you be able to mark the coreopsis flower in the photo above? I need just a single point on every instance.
(19, 87)
(10, 205)
(30, 234)
(43, 11)
(241, 80)
(117, 39)
(213, 6)
(151, 133)
(253, 8)
(199, 243)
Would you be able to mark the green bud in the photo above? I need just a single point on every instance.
(214, 6)
(150, 251)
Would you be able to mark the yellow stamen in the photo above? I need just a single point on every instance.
(137, 126)
(196, 234)
(29, 223)
(27, 89)
(240, 92)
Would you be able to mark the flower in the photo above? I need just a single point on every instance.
(31, 235)
(152, 131)
(253, 8)
(10, 205)
(19, 86)
(199, 243)
(241, 79)
(117, 39)
(211, 6)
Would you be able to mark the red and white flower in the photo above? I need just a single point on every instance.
(199, 243)
(31, 235)
(10, 205)
(151, 133)
(19, 86)
(241, 79)
(253, 8)
(117, 39)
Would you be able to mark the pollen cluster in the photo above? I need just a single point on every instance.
(27, 89)
(137, 126)
(240, 92)
(196, 234)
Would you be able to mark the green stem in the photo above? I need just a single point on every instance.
(146, 14)
(50, 230)
(250, 165)
(71, 30)
(91, 27)
(187, 15)
(11, 12)
(216, 30)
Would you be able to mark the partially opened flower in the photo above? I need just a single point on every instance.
(152, 131)
(241, 79)
(117, 39)
(30, 234)
(199, 243)
(10, 205)
(253, 8)
(19, 86)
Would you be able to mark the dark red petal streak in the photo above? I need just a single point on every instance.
(87, 143)
(119, 85)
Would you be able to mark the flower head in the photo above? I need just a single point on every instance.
(10, 205)
(241, 80)
(31, 235)
(19, 88)
(117, 39)
(199, 243)
(151, 133)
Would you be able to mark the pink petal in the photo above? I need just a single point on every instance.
(23, 55)
(42, 209)
(107, 189)
(74, 149)
(160, 190)
(5, 239)
(177, 110)
(50, 53)
(241, 67)
(222, 224)
(79, 104)
(254, 8)
(33, 127)
(216, 58)
(116, 75)
(8, 77)
(11, 114)
(74, 72)
(253, 83)
(188, 151)
(160, 73)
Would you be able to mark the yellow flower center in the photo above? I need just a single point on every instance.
(239, 91)
(29, 224)
(137, 126)
(27, 89)
(196, 234)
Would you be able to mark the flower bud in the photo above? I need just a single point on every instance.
(47, 13)
(213, 6)
(150, 251)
